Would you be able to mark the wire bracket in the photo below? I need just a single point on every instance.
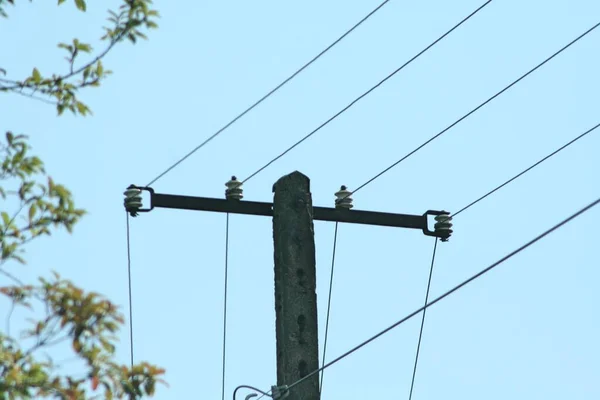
(133, 199)
(279, 392)
(443, 226)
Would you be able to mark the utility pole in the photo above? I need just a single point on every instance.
(294, 255)
(295, 286)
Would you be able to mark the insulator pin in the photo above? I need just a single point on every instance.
(443, 226)
(133, 200)
(234, 189)
(343, 199)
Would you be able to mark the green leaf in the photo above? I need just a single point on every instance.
(65, 46)
(25, 189)
(140, 34)
(82, 108)
(99, 69)
(37, 77)
(21, 261)
(86, 48)
(5, 218)
(32, 211)
(80, 5)
(86, 73)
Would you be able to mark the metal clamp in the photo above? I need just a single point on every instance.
(443, 226)
(133, 199)
(279, 392)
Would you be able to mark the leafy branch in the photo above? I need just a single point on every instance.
(46, 203)
(132, 17)
(86, 320)
(89, 322)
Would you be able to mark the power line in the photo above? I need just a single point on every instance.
(475, 109)
(449, 292)
(130, 297)
(335, 235)
(483, 272)
(272, 91)
(414, 374)
(225, 304)
(526, 170)
(364, 94)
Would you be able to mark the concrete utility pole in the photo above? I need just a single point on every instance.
(295, 275)
(295, 286)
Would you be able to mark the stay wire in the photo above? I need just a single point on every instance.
(335, 236)
(364, 94)
(526, 170)
(449, 292)
(225, 303)
(414, 374)
(474, 110)
(130, 296)
(272, 91)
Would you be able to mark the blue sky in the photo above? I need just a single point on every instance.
(527, 330)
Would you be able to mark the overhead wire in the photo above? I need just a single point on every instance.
(414, 374)
(364, 94)
(130, 296)
(335, 236)
(473, 110)
(225, 304)
(427, 304)
(527, 170)
(449, 292)
(360, 187)
(467, 207)
(490, 267)
(271, 92)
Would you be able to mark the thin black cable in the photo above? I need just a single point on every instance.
(335, 235)
(525, 170)
(414, 374)
(225, 303)
(268, 393)
(465, 208)
(474, 110)
(364, 94)
(276, 88)
(251, 388)
(449, 292)
(130, 297)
